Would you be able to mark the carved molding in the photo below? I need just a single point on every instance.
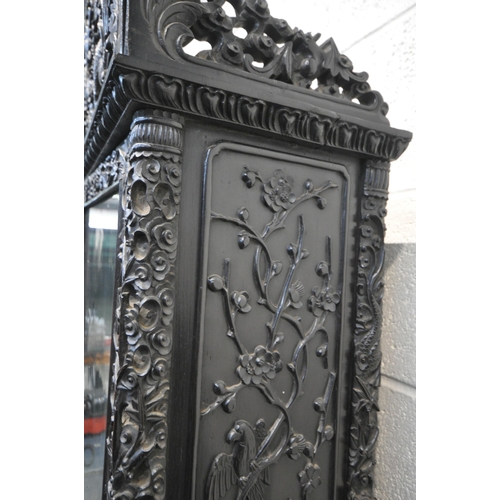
(254, 41)
(143, 336)
(101, 34)
(105, 175)
(201, 100)
(367, 356)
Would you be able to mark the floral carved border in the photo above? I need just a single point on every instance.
(105, 175)
(201, 100)
(142, 334)
(367, 356)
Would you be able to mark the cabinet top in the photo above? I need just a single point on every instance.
(143, 52)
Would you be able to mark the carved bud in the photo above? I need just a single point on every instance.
(249, 178)
(215, 283)
(279, 338)
(309, 185)
(321, 203)
(322, 350)
(219, 387)
(277, 267)
(229, 404)
(319, 405)
(243, 239)
(322, 269)
(329, 432)
(309, 450)
(291, 250)
(243, 214)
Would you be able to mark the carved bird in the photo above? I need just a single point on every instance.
(229, 469)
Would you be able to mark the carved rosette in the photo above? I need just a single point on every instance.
(367, 355)
(143, 335)
(105, 175)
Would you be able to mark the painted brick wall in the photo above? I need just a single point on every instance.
(379, 37)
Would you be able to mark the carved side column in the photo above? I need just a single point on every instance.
(140, 379)
(369, 291)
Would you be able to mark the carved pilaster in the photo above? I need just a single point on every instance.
(364, 429)
(143, 336)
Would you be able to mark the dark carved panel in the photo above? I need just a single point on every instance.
(143, 333)
(364, 430)
(269, 47)
(275, 250)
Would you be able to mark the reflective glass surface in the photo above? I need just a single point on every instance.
(101, 223)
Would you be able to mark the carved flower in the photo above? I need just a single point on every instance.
(142, 276)
(262, 363)
(160, 264)
(325, 299)
(158, 371)
(166, 237)
(166, 298)
(240, 300)
(278, 192)
(162, 340)
(148, 168)
(307, 479)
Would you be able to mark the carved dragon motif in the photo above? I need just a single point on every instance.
(364, 429)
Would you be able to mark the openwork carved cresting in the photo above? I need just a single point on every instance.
(143, 333)
(264, 46)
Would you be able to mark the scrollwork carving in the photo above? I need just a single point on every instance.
(367, 356)
(270, 48)
(143, 334)
(100, 38)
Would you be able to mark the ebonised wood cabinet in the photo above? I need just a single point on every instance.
(244, 190)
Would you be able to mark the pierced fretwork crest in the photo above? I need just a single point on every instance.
(253, 40)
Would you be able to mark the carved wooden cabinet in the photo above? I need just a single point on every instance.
(249, 185)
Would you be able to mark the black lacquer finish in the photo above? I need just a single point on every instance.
(245, 358)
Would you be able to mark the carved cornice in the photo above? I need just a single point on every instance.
(177, 94)
(143, 335)
(367, 356)
(268, 47)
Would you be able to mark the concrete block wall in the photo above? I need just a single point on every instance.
(379, 38)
